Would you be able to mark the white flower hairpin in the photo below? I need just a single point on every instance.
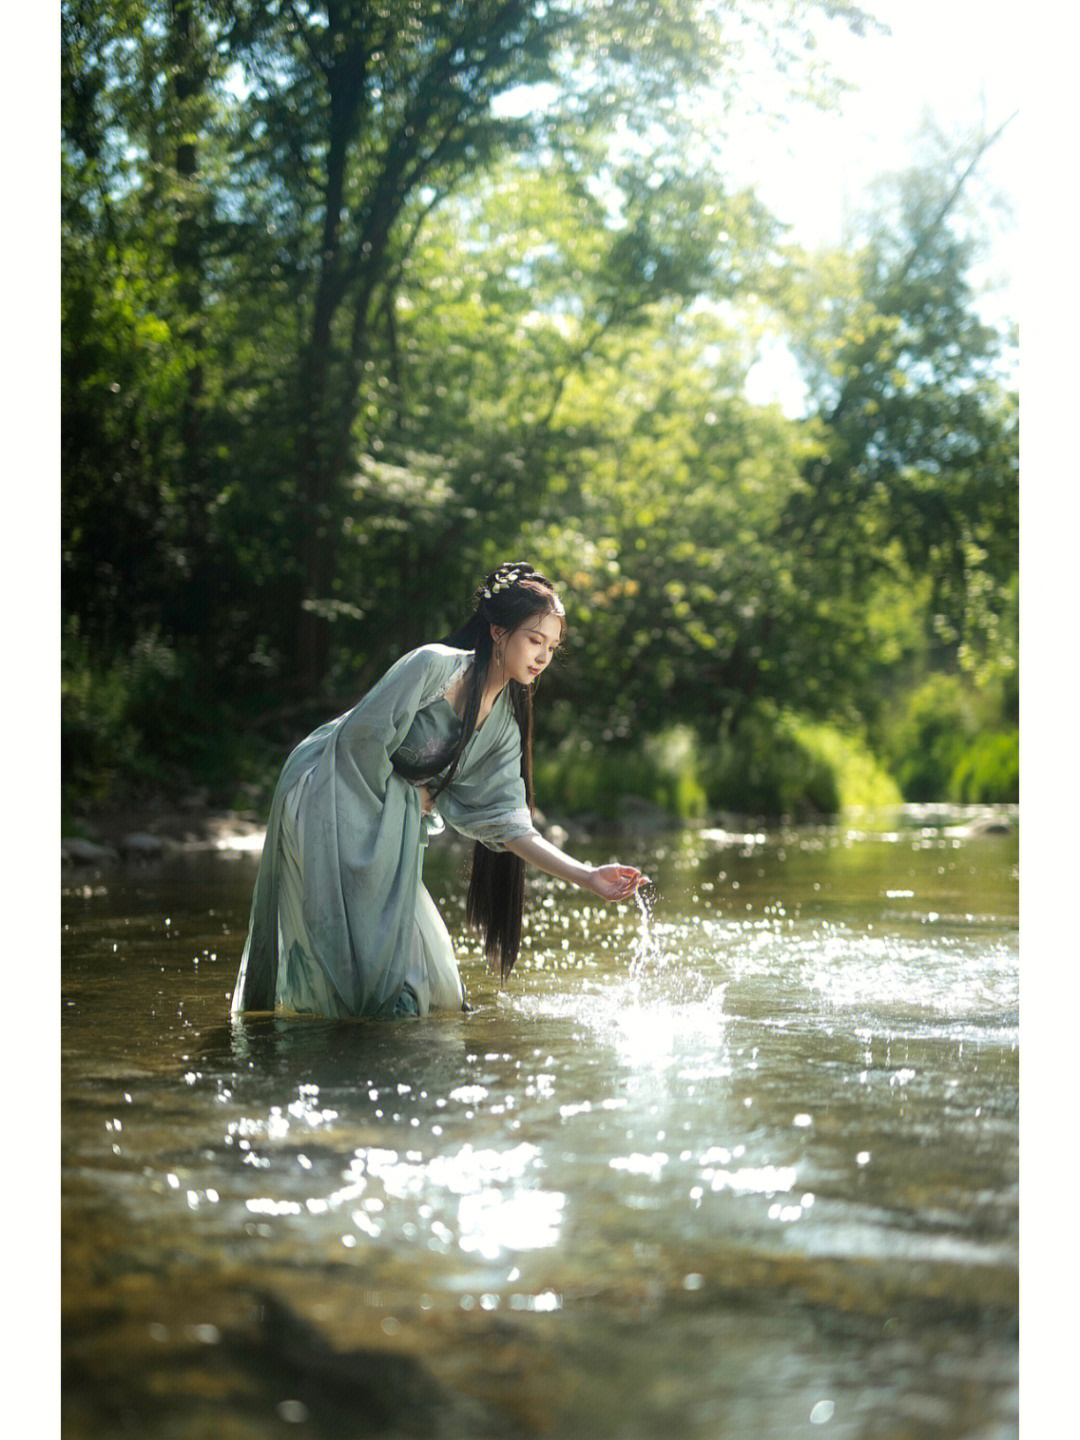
(504, 577)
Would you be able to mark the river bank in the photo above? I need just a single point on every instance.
(152, 830)
(149, 830)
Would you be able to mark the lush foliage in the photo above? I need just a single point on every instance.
(361, 298)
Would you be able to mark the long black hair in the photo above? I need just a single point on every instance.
(508, 598)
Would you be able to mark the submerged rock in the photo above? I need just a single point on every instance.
(140, 846)
(76, 851)
(992, 825)
(350, 1392)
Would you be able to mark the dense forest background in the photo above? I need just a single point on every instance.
(360, 299)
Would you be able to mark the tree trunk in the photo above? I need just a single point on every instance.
(319, 475)
(189, 83)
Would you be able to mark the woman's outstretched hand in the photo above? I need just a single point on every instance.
(615, 882)
(610, 882)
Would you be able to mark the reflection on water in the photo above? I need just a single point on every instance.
(739, 1161)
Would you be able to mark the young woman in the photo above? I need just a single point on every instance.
(341, 924)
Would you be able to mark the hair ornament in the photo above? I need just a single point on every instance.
(507, 575)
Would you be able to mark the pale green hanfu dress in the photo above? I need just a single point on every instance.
(341, 922)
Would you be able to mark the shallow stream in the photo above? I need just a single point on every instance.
(745, 1165)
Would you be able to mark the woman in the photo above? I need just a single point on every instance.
(341, 924)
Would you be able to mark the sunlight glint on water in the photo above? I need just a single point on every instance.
(786, 1079)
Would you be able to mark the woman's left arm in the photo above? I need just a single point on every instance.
(610, 882)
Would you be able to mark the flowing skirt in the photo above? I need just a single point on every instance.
(304, 985)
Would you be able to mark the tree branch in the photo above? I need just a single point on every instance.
(901, 273)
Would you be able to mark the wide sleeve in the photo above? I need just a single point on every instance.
(486, 799)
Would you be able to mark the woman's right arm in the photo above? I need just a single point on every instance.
(610, 882)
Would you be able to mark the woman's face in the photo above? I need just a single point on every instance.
(527, 651)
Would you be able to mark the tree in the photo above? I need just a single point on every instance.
(919, 467)
(599, 427)
(341, 279)
(395, 105)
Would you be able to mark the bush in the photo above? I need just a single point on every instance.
(763, 771)
(943, 746)
(95, 736)
(783, 764)
(856, 778)
(928, 740)
(988, 771)
(578, 779)
(776, 765)
(141, 722)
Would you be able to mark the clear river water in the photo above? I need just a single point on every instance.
(738, 1163)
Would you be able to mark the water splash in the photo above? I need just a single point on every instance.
(648, 954)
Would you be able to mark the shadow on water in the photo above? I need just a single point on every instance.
(743, 1163)
(333, 1055)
